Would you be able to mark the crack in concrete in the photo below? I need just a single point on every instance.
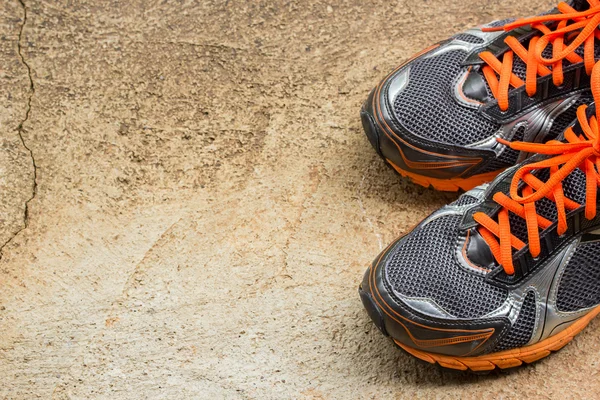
(20, 130)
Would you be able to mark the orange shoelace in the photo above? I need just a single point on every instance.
(578, 151)
(575, 27)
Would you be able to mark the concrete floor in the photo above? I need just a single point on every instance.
(188, 202)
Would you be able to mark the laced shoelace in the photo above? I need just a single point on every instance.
(577, 151)
(572, 26)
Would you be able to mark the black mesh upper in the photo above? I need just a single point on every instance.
(424, 264)
(574, 186)
(464, 200)
(520, 68)
(427, 106)
(580, 284)
(465, 37)
(518, 226)
(520, 333)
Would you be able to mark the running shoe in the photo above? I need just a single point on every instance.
(436, 118)
(509, 272)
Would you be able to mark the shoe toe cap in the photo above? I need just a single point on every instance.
(418, 320)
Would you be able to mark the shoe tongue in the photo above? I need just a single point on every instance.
(573, 188)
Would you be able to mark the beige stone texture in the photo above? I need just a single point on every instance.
(188, 202)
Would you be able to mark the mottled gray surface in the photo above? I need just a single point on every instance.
(205, 203)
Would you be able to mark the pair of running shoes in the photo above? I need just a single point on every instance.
(509, 272)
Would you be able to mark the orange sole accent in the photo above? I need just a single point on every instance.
(507, 358)
(446, 185)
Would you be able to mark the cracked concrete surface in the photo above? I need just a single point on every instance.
(15, 159)
(20, 128)
(188, 202)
